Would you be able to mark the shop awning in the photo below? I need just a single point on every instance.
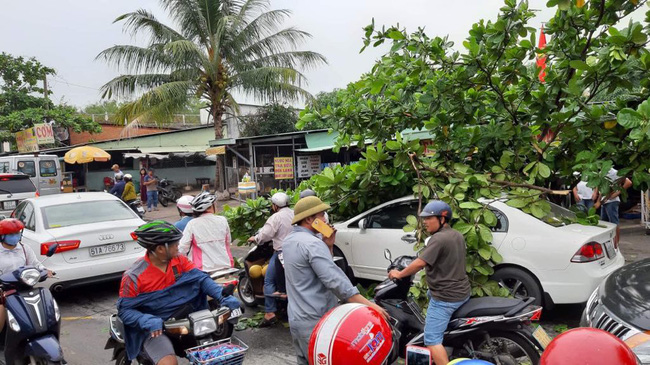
(320, 141)
(172, 149)
(145, 155)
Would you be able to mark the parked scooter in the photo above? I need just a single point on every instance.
(167, 192)
(494, 329)
(186, 330)
(136, 206)
(31, 334)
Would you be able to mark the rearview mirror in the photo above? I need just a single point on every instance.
(388, 255)
(363, 223)
(52, 250)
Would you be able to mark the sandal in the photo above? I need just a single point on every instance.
(268, 322)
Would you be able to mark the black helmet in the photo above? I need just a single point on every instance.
(437, 208)
(157, 233)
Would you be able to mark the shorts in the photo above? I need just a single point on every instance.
(438, 315)
(609, 212)
(155, 348)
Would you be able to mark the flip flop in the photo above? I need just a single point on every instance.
(268, 322)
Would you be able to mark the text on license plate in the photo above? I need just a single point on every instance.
(9, 204)
(610, 250)
(235, 313)
(541, 336)
(107, 249)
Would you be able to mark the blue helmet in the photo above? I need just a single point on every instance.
(437, 208)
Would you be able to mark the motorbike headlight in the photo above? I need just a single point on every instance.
(640, 344)
(57, 312)
(30, 277)
(13, 324)
(204, 327)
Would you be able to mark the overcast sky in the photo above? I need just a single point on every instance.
(68, 34)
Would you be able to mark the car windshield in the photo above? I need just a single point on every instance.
(559, 216)
(17, 184)
(66, 215)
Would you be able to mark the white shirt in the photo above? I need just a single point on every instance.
(12, 259)
(612, 176)
(276, 228)
(584, 192)
(206, 242)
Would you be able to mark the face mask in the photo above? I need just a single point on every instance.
(12, 239)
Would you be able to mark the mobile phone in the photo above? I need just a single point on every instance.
(416, 355)
(323, 228)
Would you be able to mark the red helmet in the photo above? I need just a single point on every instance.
(350, 334)
(10, 225)
(585, 346)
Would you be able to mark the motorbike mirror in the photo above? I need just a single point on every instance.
(52, 250)
(388, 255)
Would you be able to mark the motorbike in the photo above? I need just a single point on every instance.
(167, 192)
(251, 289)
(136, 206)
(31, 334)
(493, 329)
(186, 330)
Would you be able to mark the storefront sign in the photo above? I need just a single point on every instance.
(44, 133)
(283, 168)
(26, 141)
(308, 165)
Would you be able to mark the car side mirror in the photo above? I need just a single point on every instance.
(363, 224)
(388, 255)
(52, 250)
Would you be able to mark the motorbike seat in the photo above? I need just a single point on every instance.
(490, 306)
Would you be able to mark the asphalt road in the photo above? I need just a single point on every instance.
(86, 310)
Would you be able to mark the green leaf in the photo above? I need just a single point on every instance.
(537, 211)
(393, 145)
(396, 35)
(644, 109)
(412, 220)
(516, 203)
(579, 65)
(485, 253)
(470, 205)
(486, 234)
(506, 159)
(463, 227)
(564, 4)
(472, 239)
(629, 118)
(376, 86)
(496, 256)
(544, 171)
(489, 217)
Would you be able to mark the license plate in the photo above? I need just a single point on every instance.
(541, 336)
(107, 249)
(235, 313)
(141, 210)
(610, 250)
(9, 205)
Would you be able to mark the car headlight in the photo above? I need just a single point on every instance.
(13, 324)
(204, 327)
(640, 344)
(30, 277)
(57, 312)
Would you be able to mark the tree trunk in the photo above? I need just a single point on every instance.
(217, 115)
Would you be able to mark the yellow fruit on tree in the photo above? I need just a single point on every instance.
(580, 3)
(610, 124)
(255, 271)
(264, 269)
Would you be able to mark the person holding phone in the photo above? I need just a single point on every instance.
(314, 282)
(276, 228)
(443, 259)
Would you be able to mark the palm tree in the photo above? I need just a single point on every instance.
(219, 47)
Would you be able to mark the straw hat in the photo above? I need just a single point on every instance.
(307, 207)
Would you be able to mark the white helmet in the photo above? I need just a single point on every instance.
(128, 176)
(184, 203)
(281, 200)
(202, 202)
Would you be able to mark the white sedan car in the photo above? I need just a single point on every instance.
(93, 231)
(555, 264)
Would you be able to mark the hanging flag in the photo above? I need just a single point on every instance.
(541, 58)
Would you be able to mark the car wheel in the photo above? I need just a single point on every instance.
(343, 264)
(521, 284)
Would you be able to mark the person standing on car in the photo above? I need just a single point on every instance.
(151, 183)
(611, 202)
(443, 259)
(118, 188)
(184, 206)
(314, 282)
(14, 254)
(276, 228)
(206, 238)
(158, 285)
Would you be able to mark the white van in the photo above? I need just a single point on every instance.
(43, 170)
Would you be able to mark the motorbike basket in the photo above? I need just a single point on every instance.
(230, 351)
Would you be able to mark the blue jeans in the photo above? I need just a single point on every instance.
(438, 315)
(609, 212)
(269, 285)
(587, 203)
(152, 199)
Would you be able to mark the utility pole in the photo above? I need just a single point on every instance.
(47, 105)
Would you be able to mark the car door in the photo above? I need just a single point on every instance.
(49, 178)
(383, 229)
(25, 213)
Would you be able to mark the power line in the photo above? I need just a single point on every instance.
(71, 84)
